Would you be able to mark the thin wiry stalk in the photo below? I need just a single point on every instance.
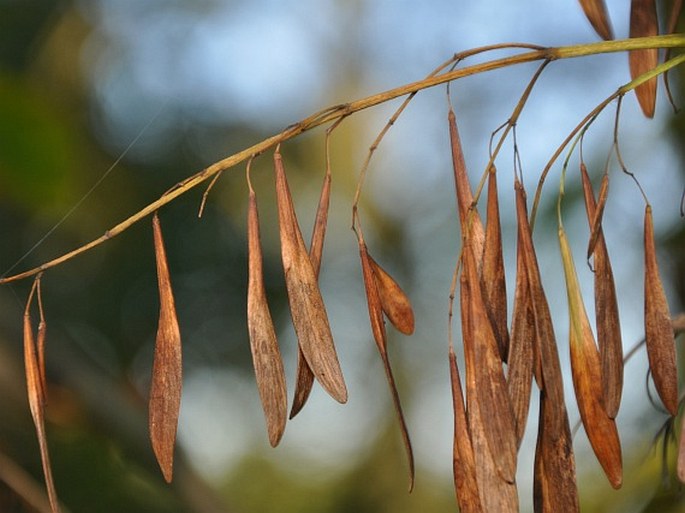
(335, 112)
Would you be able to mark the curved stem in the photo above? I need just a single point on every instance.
(336, 112)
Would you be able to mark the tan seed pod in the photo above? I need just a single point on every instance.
(596, 13)
(266, 355)
(463, 464)
(305, 376)
(379, 334)
(307, 309)
(492, 275)
(606, 310)
(554, 476)
(659, 337)
(585, 369)
(36, 397)
(495, 492)
(394, 301)
(554, 480)
(464, 194)
(643, 23)
(521, 348)
(491, 391)
(167, 379)
(595, 219)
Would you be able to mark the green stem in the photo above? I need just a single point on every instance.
(337, 112)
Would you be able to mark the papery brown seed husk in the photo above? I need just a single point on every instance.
(595, 219)
(394, 301)
(585, 369)
(521, 349)
(492, 274)
(596, 13)
(36, 398)
(307, 309)
(554, 481)
(643, 23)
(167, 380)
(305, 376)
(491, 388)
(659, 337)
(464, 194)
(545, 341)
(266, 355)
(379, 334)
(606, 312)
(463, 464)
(496, 493)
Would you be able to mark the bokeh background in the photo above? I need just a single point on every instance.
(106, 104)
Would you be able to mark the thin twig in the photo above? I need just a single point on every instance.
(335, 112)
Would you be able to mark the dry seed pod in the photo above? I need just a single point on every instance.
(394, 301)
(492, 395)
(496, 493)
(464, 194)
(644, 22)
(554, 479)
(492, 274)
(307, 309)
(596, 13)
(595, 219)
(659, 337)
(167, 380)
(585, 368)
(554, 486)
(606, 310)
(266, 356)
(305, 376)
(36, 398)
(521, 348)
(463, 464)
(379, 334)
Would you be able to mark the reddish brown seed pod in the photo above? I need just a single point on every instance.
(305, 376)
(555, 486)
(492, 273)
(167, 379)
(394, 302)
(597, 15)
(463, 189)
(659, 337)
(606, 304)
(463, 463)
(266, 355)
(307, 309)
(374, 304)
(497, 491)
(35, 386)
(585, 369)
(522, 355)
(643, 23)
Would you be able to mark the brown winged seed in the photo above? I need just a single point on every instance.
(37, 397)
(266, 356)
(167, 380)
(644, 22)
(307, 309)
(658, 329)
